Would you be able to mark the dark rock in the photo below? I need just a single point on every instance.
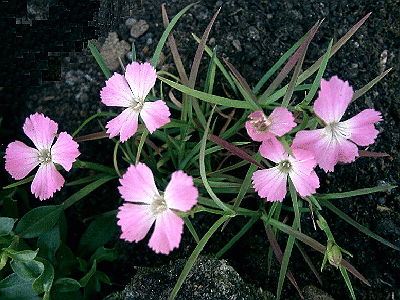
(209, 278)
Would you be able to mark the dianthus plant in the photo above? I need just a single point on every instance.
(178, 155)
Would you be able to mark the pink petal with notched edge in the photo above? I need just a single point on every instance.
(64, 151)
(302, 174)
(282, 121)
(304, 160)
(135, 221)
(333, 99)
(304, 184)
(253, 132)
(180, 192)
(167, 233)
(155, 115)
(137, 184)
(270, 184)
(141, 78)
(41, 130)
(361, 127)
(273, 150)
(47, 181)
(124, 124)
(20, 159)
(116, 92)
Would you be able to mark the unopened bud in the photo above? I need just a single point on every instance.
(334, 255)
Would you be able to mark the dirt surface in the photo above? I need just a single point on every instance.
(252, 35)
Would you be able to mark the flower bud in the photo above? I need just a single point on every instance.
(334, 254)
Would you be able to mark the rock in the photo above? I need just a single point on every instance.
(139, 28)
(112, 49)
(208, 279)
(310, 292)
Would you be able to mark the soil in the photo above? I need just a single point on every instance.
(47, 68)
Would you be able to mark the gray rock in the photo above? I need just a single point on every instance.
(139, 28)
(112, 49)
(208, 279)
(311, 292)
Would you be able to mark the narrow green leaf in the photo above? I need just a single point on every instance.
(192, 259)
(352, 222)
(87, 190)
(96, 54)
(165, 35)
(369, 85)
(242, 231)
(347, 280)
(218, 100)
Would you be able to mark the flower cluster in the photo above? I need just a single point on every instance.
(336, 142)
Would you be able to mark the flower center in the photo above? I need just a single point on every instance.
(158, 206)
(336, 131)
(261, 123)
(44, 156)
(285, 166)
(137, 104)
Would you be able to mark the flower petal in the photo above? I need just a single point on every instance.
(141, 78)
(117, 92)
(270, 184)
(135, 221)
(304, 160)
(282, 121)
(252, 127)
(41, 130)
(333, 99)
(137, 184)
(167, 233)
(329, 149)
(64, 151)
(273, 150)
(361, 127)
(125, 124)
(305, 184)
(180, 192)
(20, 159)
(155, 115)
(47, 181)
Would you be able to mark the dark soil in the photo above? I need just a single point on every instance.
(46, 68)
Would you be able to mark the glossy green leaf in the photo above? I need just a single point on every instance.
(27, 270)
(14, 287)
(22, 256)
(44, 282)
(6, 225)
(66, 284)
(104, 254)
(99, 232)
(38, 221)
(49, 242)
(85, 279)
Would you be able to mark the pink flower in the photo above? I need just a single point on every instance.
(130, 91)
(271, 183)
(22, 159)
(260, 128)
(337, 141)
(145, 206)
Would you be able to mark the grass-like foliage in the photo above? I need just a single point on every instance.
(203, 152)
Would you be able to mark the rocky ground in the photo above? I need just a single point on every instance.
(51, 36)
